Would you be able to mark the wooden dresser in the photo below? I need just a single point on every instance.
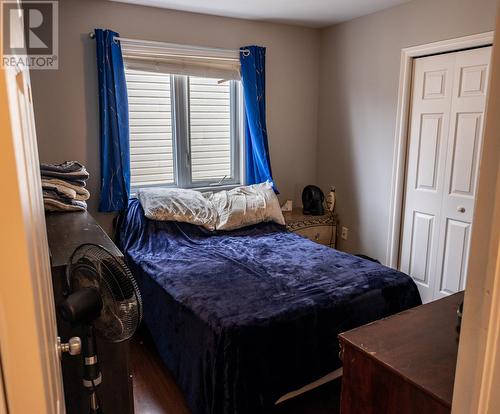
(65, 232)
(404, 363)
(320, 229)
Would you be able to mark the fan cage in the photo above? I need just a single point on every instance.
(94, 266)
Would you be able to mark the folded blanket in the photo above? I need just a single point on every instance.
(77, 182)
(77, 178)
(80, 193)
(69, 170)
(49, 194)
(61, 192)
(52, 204)
(65, 167)
(63, 186)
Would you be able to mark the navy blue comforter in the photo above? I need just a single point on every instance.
(242, 317)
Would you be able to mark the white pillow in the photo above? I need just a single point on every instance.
(176, 204)
(247, 205)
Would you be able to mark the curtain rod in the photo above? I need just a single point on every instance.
(246, 52)
(175, 55)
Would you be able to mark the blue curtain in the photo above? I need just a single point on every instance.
(253, 75)
(114, 127)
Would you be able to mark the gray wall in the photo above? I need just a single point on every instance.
(359, 77)
(347, 140)
(66, 102)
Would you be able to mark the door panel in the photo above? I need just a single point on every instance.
(462, 167)
(465, 154)
(428, 151)
(446, 123)
(455, 256)
(473, 80)
(434, 84)
(431, 101)
(421, 245)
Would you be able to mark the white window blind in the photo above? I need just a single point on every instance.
(181, 60)
(210, 128)
(150, 119)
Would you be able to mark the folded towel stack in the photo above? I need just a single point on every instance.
(64, 186)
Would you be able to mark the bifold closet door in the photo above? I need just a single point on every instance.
(446, 127)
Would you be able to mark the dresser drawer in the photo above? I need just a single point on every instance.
(319, 234)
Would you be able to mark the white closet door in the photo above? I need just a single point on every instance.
(462, 167)
(448, 98)
(430, 119)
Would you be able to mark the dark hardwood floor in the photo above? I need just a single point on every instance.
(155, 391)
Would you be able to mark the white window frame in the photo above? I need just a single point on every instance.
(182, 167)
(181, 135)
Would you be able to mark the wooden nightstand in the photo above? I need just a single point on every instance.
(320, 229)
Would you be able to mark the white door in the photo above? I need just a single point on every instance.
(446, 128)
(31, 377)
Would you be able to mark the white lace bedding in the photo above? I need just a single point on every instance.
(224, 210)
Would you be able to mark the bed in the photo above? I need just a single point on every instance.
(242, 317)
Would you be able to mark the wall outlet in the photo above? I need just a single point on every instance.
(345, 233)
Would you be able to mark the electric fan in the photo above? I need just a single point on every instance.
(104, 300)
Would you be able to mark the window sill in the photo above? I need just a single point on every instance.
(216, 188)
(213, 188)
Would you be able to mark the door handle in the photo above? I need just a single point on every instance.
(461, 209)
(72, 347)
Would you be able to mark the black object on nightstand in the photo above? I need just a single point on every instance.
(312, 201)
(65, 232)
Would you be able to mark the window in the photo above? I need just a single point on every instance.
(151, 128)
(185, 131)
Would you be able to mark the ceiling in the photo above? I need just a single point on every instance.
(311, 13)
